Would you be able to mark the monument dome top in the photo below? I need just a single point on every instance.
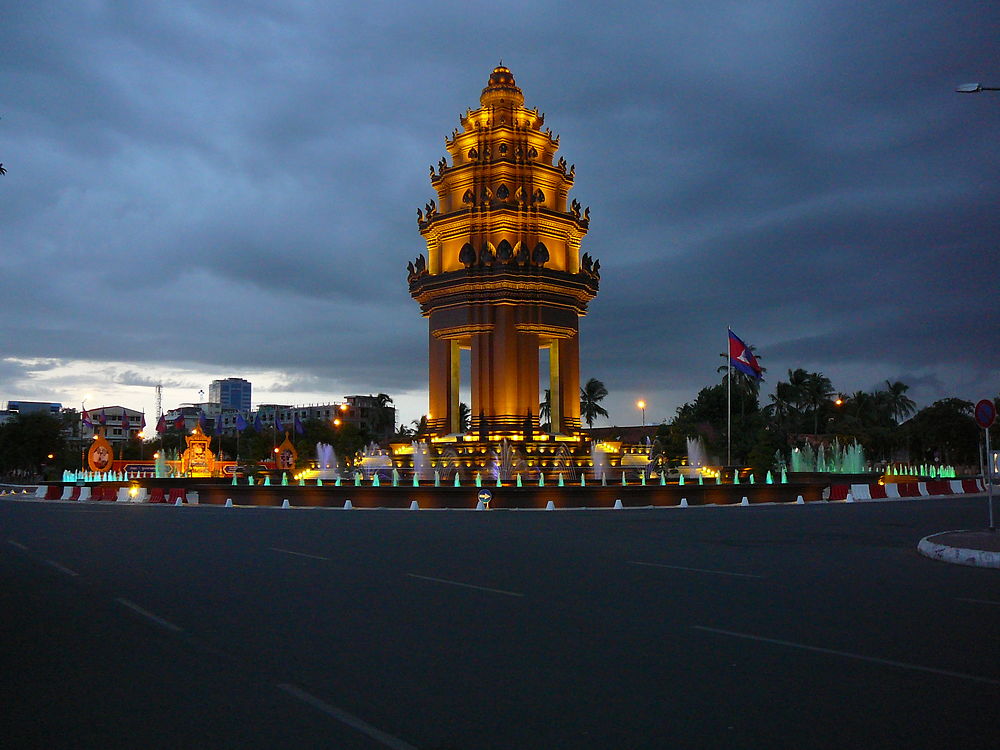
(501, 86)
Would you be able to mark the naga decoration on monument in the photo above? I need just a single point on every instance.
(503, 278)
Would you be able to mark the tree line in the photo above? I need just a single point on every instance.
(40, 446)
(806, 407)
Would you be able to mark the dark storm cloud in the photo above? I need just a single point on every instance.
(235, 184)
(130, 377)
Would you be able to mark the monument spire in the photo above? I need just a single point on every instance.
(503, 277)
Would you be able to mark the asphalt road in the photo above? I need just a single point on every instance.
(728, 627)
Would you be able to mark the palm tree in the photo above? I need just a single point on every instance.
(420, 425)
(545, 408)
(592, 393)
(784, 402)
(898, 404)
(816, 391)
(383, 421)
(864, 407)
(797, 380)
(404, 432)
(464, 412)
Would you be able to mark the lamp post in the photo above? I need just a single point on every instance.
(83, 444)
(642, 406)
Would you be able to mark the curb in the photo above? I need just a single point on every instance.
(979, 558)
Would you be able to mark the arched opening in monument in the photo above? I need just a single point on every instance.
(548, 380)
(459, 386)
(464, 386)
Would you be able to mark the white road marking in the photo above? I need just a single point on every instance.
(464, 585)
(17, 544)
(695, 570)
(80, 509)
(849, 655)
(347, 718)
(299, 554)
(149, 615)
(977, 601)
(61, 568)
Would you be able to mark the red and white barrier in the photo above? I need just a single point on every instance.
(894, 490)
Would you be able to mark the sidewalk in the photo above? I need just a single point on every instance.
(980, 547)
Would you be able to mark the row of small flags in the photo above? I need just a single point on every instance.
(258, 425)
(178, 423)
(102, 419)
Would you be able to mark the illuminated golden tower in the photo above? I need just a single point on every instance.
(503, 276)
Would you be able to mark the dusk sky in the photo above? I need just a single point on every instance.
(204, 189)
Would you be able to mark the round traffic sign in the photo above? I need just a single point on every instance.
(986, 413)
(485, 496)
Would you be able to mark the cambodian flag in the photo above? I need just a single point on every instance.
(179, 422)
(86, 418)
(102, 417)
(299, 427)
(278, 426)
(241, 423)
(258, 426)
(742, 358)
(161, 425)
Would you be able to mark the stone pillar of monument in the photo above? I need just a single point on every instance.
(503, 276)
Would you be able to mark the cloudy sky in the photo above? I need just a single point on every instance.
(202, 189)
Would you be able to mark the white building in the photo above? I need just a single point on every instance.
(120, 423)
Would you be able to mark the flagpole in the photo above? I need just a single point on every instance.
(729, 401)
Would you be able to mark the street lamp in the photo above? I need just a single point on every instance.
(975, 88)
(642, 405)
(83, 445)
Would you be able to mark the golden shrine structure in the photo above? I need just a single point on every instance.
(197, 460)
(504, 279)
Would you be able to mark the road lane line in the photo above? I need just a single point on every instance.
(149, 615)
(695, 570)
(61, 568)
(347, 718)
(977, 601)
(79, 509)
(849, 655)
(17, 544)
(464, 585)
(299, 554)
